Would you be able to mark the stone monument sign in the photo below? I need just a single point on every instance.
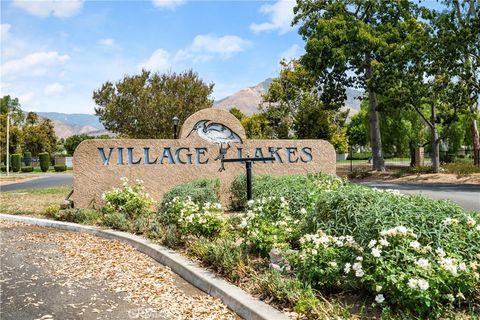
(206, 137)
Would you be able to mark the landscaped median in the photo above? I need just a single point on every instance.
(313, 246)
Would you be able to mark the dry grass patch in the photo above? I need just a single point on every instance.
(32, 201)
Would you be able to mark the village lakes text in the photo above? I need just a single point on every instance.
(196, 156)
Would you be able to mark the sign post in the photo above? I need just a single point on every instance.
(248, 167)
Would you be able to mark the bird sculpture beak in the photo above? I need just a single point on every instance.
(188, 135)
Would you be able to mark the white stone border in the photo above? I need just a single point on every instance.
(235, 298)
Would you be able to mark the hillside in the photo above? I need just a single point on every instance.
(248, 99)
(67, 125)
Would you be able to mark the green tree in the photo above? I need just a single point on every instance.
(345, 40)
(72, 142)
(40, 137)
(256, 127)
(142, 106)
(295, 109)
(16, 118)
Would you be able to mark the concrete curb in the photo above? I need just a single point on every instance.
(235, 298)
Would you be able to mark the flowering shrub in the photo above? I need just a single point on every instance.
(268, 223)
(397, 267)
(130, 201)
(192, 218)
(322, 258)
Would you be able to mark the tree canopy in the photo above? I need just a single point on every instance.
(142, 106)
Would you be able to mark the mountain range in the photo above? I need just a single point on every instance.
(247, 100)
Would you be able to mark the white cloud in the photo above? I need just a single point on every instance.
(4, 32)
(159, 61)
(108, 42)
(26, 97)
(167, 4)
(281, 16)
(54, 88)
(205, 47)
(292, 52)
(36, 64)
(44, 8)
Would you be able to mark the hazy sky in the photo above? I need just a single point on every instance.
(55, 53)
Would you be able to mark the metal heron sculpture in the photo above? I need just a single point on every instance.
(216, 133)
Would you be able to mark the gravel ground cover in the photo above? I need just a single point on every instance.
(51, 274)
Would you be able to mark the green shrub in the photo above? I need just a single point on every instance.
(268, 223)
(360, 156)
(200, 191)
(361, 211)
(77, 215)
(4, 168)
(300, 191)
(16, 162)
(288, 292)
(130, 201)
(461, 168)
(193, 219)
(223, 255)
(60, 167)
(44, 158)
(27, 158)
(27, 169)
(116, 220)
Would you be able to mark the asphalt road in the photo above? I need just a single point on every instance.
(46, 181)
(466, 195)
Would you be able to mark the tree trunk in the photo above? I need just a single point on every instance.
(476, 142)
(374, 121)
(435, 141)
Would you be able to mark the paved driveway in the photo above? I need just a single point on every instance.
(51, 274)
(466, 195)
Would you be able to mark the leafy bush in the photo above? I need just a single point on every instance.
(44, 159)
(223, 255)
(289, 292)
(200, 191)
(268, 223)
(27, 169)
(60, 167)
(360, 211)
(130, 201)
(128, 207)
(27, 158)
(4, 168)
(300, 191)
(77, 215)
(192, 218)
(16, 162)
(360, 156)
(461, 168)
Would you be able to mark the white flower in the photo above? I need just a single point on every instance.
(250, 203)
(423, 284)
(412, 283)
(332, 264)
(383, 242)
(379, 298)
(415, 245)
(303, 211)
(450, 297)
(378, 288)
(372, 243)
(423, 263)
(462, 266)
(347, 267)
(314, 252)
(440, 252)
(460, 295)
(450, 221)
(357, 266)
(376, 252)
(359, 258)
(471, 222)
(243, 224)
(359, 273)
